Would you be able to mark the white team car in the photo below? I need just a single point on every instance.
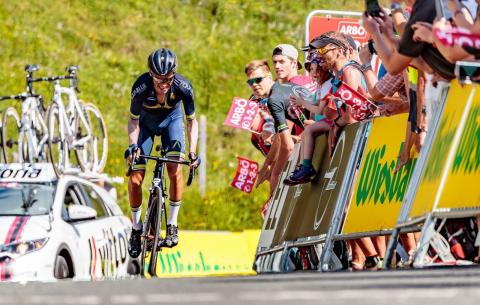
(59, 228)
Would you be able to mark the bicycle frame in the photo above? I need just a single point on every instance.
(31, 116)
(68, 116)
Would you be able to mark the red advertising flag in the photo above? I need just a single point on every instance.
(242, 113)
(459, 37)
(247, 171)
(361, 107)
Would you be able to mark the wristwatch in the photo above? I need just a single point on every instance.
(396, 7)
(365, 67)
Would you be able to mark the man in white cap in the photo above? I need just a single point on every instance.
(285, 62)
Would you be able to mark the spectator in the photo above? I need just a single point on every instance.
(285, 59)
(306, 171)
(262, 127)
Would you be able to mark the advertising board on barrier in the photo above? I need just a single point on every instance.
(314, 202)
(202, 253)
(279, 197)
(461, 188)
(379, 191)
(430, 181)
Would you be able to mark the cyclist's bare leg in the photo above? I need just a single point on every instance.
(176, 191)
(135, 197)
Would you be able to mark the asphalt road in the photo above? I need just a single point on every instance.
(459, 286)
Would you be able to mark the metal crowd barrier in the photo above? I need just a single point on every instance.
(357, 194)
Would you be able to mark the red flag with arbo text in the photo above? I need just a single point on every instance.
(247, 171)
(242, 113)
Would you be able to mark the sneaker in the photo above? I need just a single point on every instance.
(171, 240)
(302, 174)
(134, 244)
(373, 263)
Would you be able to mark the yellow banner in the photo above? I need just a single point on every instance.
(430, 182)
(462, 186)
(379, 192)
(205, 253)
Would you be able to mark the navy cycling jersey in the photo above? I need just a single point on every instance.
(143, 97)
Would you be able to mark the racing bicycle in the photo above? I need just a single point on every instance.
(24, 139)
(76, 126)
(156, 212)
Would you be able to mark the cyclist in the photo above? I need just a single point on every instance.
(155, 110)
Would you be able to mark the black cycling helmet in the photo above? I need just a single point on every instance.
(162, 61)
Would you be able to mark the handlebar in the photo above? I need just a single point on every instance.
(21, 97)
(191, 174)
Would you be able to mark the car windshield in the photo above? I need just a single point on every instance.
(25, 199)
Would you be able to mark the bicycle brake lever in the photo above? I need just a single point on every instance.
(191, 175)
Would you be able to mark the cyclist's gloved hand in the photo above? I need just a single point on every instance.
(132, 148)
(194, 159)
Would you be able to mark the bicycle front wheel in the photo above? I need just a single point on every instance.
(152, 232)
(95, 154)
(57, 142)
(11, 140)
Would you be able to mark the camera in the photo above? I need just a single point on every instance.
(373, 8)
(371, 47)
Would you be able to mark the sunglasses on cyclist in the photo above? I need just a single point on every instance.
(255, 80)
(162, 80)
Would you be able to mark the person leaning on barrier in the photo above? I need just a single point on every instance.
(263, 128)
(335, 57)
(305, 171)
(285, 60)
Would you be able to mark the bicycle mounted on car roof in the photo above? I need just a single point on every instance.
(24, 139)
(78, 125)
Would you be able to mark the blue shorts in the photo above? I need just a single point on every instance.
(171, 130)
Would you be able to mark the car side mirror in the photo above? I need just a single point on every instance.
(81, 212)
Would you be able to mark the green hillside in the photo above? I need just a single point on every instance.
(110, 41)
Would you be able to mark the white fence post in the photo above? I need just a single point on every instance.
(202, 145)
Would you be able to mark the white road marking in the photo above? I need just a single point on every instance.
(302, 295)
(125, 299)
(183, 298)
(64, 300)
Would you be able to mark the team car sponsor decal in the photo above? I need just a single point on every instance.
(107, 253)
(16, 172)
(13, 235)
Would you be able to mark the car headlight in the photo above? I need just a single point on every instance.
(24, 247)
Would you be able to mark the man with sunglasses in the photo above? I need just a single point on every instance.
(155, 110)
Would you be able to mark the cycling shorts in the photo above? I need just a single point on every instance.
(171, 130)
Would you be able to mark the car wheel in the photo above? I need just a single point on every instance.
(61, 270)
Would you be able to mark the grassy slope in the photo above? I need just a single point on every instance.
(110, 40)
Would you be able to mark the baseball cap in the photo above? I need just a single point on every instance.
(321, 41)
(287, 50)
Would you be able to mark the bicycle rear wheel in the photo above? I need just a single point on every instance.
(94, 155)
(58, 147)
(84, 151)
(11, 140)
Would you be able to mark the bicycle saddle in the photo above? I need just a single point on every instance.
(31, 68)
(72, 69)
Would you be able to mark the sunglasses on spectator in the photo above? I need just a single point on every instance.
(323, 50)
(162, 80)
(255, 80)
